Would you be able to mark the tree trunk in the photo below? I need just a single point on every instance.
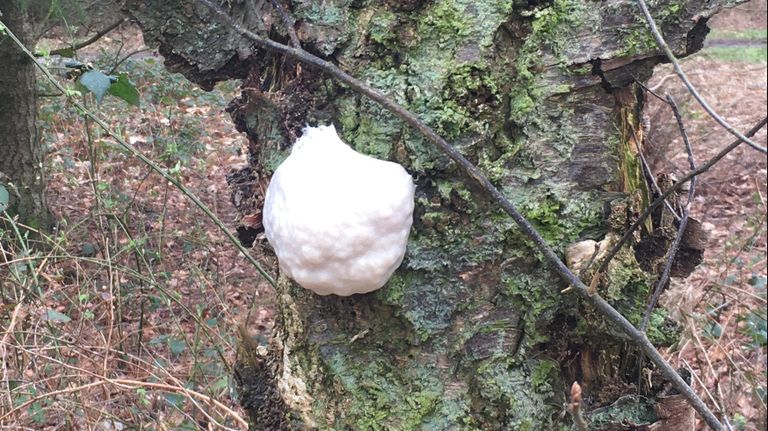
(21, 154)
(473, 331)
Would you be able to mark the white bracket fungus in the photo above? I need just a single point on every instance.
(337, 219)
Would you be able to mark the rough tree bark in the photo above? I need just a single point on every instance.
(473, 331)
(21, 153)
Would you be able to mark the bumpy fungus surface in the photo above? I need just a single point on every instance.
(337, 219)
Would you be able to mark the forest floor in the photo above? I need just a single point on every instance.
(722, 305)
(138, 322)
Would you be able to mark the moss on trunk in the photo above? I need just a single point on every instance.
(472, 332)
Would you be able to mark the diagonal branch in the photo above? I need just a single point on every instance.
(474, 173)
(683, 77)
(93, 39)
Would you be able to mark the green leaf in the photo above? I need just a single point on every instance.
(159, 339)
(757, 329)
(96, 82)
(37, 413)
(220, 384)
(124, 89)
(176, 345)
(88, 250)
(55, 316)
(5, 198)
(67, 52)
(175, 400)
(759, 282)
(713, 330)
(142, 393)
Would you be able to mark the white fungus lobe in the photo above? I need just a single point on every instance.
(337, 219)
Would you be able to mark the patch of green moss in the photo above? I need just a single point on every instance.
(662, 331)
(444, 20)
(392, 292)
(636, 41)
(371, 134)
(551, 27)
(627, 409)
(519, 395)
(670, 12)
(443, 79)
(467, 78)
(522, 102)
(543, 374)
(328, 13)
(536, 292)
(627, 287)
(451, 119)
(380, 26)
(581, 71)
(545, 214)
(624, 277)
(555, 23)
(560, 219)
(378, 395)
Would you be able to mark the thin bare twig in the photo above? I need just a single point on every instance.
(192, 395)
(675, 247)
(679, 70)
(474, 173)
(127, 56)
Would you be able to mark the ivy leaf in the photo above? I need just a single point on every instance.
(221, 383)
(124, 89)
(176, 345)
(5, 198)
(96, 82)
(55, 316)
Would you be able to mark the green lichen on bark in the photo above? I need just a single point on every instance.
(507, 99)
(500, 384)
(627, 409)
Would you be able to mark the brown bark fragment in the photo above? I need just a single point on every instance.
(674, 413)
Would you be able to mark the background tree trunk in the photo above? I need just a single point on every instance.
(473, 331)
(21, 153)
